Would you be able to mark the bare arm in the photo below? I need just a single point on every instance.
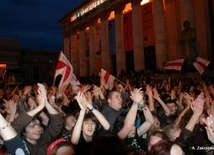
(136, 96)
(147, 124)
(197, 108)
(78, 126)
(156, 96)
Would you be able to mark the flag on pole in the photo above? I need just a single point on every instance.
(107, 78)
(174, 65)
(201, 64)
(65, 69)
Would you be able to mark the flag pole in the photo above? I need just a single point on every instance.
(197, 78)
(178, 76)
(120, 81)
(54, 80)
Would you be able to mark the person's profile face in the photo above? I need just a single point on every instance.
(116, 101)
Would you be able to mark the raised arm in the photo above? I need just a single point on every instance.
(41, 101)
(147, 124)
(197, 108)
(78, 126)
(137, 97)
(209, 121)
(157, 97)
(11, 139)
(98, 114)
(150, 96)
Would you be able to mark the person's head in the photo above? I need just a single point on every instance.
(186, 24)
(61, 147)
(108, 143)
(172, 131)
(69, 121)
(172, 107)
(115, 100)
(89, 126)
(166, 147)
(156, 125)
(33, 130)
(155, 137)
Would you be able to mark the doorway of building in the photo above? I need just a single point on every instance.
(129, 61)
(150, 58)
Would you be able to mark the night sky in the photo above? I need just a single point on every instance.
(35, 22)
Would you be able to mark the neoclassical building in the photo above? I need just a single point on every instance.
(136, 34)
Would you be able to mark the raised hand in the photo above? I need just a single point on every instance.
(209, 121)
(155, 94)
(137, 95)
(10, 106)
(41, 94)
(197, 105)
(79, 98)
(85, 88)
(27, 90)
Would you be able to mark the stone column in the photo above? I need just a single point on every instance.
(139, 63)
(120, 53)
(67, 45)
(160, 33)
(105, 54)
(74, 54)
(92, 48)
(172, 25)
(83, 65)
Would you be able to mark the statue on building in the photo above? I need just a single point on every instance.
(187, 41)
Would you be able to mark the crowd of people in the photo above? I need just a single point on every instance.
(136, 115)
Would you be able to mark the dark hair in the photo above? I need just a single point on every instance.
(108, 143)
(59, 145)
(34, 119)
(110, 94)
(171, 101)
(159, 134)
(162, 147)
(92, 117)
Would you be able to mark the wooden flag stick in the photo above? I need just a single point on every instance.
(54, 80)
(120, 81)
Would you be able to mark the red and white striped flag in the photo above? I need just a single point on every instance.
(65, 69)
(107, 78)
(201, 64)
(174, 65)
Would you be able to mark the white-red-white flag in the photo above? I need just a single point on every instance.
(201, 64)
(65, 69)
(174, 65)
(107, 78)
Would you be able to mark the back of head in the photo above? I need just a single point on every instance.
(108, 143)
(61, 146)
(162, 147)
(172, 131)
(159, 134)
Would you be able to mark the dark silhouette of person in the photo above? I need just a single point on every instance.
(187, 41)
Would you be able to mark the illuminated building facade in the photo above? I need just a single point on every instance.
(134, 34)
